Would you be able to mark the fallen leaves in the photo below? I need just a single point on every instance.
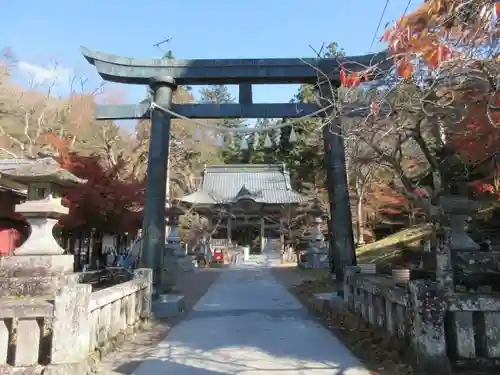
(381, 353)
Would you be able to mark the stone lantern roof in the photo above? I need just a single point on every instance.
(41, 170)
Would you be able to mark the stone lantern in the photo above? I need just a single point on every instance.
(43, 207)
(40, 255)
(316, 236)
(317, 252)
(173, 240)
(174, 256)
(459, 209)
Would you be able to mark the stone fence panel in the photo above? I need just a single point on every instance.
(439, 328)
(63, 334)
(25, 331)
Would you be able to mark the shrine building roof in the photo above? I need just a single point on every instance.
(230, 183)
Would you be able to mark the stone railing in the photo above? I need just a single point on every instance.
(472, 328)
(62, 335)
(119, 310)
(440, 328)
(377, 300)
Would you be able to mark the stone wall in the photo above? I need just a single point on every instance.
(439, 329)
(66, 334)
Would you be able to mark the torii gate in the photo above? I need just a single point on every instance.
(163, 76)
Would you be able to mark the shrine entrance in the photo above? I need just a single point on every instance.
(246, 203)
(163, 76)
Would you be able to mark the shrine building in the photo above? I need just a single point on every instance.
(246, 204)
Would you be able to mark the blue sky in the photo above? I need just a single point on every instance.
(43, 32)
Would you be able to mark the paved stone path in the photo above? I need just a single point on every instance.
(249, 324)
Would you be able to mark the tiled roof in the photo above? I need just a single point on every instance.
(43, 169)
(264, 183)
(14, 163)
(199, 197)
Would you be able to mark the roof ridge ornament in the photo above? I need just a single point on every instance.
(244, 191)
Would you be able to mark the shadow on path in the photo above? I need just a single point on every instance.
(248, 324)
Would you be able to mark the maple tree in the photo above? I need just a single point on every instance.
(108, 202)
(434, 118)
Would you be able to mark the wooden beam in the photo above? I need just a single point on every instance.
(225, 71)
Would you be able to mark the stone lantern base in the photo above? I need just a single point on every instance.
(35, 275)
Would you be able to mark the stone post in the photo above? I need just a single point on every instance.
(427, 304)
(282, 236)
(262, 234)
(71, 329)
(229, 228)
(154, 211)
(147, 294)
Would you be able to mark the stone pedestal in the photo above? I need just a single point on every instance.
(35, 275)
(42, 216)
(168, 306)
(38, 266)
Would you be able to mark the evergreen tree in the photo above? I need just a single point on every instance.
(219, 94)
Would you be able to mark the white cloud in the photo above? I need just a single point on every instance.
(41, 75)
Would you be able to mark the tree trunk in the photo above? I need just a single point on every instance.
(412, 220)
(360, 220)
(429, 251)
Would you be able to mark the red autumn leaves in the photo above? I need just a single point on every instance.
(352, 79)
(422, 35)
(109, 201)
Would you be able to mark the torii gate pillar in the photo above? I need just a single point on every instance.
(153, 244)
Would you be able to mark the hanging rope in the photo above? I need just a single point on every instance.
(220, 129)
(224, 134)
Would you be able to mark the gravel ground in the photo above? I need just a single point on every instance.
(193, 285)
